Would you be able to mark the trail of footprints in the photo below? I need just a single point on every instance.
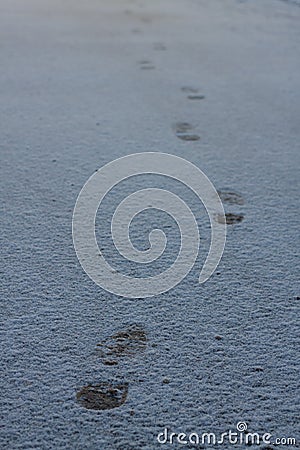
(231, 198)
(132, 341)
(185, 130)
(125, 343)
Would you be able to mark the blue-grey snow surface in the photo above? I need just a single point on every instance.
(85, 82)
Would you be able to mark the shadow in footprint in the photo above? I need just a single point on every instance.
(124, 343)
(184, 131)
(231, 197)
(103, 395)
(230, 218)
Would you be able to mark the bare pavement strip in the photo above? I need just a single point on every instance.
(82, 83)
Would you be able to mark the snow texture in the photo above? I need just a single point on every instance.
(85, 82)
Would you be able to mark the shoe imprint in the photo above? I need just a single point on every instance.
(103, 395)
(193, 93)
(231, 197)
(159, 46)
(230, 218)
(189, 90)
(146, 65)
(127, 342)
(196, 97)
(184, 131)
(146, 19)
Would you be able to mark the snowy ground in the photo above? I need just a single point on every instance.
(83, 83)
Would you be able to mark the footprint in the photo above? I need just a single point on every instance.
(230, 218)
(193, 93)
(189, 90)
(136, 31)
(159, 46)
(146, 19)
(103, 395)
(231, 197)
(196, 97)
(124, 343)
(146, 65)
(184, 131)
